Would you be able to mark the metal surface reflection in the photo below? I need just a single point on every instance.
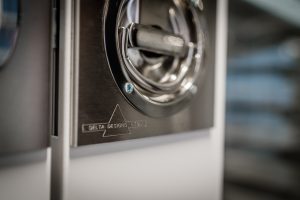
(9, 26)
(161, 46)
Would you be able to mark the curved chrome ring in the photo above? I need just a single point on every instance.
(9, 28)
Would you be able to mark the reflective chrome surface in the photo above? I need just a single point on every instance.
(9, 28)
(161, 51)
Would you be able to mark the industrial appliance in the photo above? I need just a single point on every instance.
(141, 68)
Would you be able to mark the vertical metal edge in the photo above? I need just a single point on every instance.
(75, 64)
(220, 85)
(61, 145)
(52, 71)
(48, 169)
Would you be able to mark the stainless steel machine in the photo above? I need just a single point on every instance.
(142, 68)
(112, 73)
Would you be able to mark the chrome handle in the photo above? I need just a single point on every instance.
(155, 40)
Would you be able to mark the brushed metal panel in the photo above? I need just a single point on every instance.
(100, 100)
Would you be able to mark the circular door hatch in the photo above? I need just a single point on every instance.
(156, 50)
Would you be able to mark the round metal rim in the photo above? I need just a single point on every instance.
(12, 37)
(121, 77)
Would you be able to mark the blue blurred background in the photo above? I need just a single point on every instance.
(262, 157)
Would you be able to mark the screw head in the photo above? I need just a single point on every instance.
(128, 88)
(194, 89)
(198, 3)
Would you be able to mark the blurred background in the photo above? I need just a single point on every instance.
(262, 157)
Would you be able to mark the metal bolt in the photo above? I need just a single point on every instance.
(198, 3)
(194, 89)
(128, 88)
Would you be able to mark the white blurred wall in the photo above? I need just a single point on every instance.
(187, 166)
(25, 176)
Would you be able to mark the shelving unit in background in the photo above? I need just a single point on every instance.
(262, 159)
